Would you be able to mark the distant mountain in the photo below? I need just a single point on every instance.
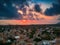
(58, 23)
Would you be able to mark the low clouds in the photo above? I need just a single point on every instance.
(54, 10)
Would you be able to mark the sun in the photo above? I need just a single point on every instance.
(24, 21)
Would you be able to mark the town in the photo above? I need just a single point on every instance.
(29, 34)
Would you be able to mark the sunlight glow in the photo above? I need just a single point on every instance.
(20, 12)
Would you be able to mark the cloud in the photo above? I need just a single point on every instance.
(37, 8)
(59, 18)
(7, 11)
(54, 10)
(58, 23)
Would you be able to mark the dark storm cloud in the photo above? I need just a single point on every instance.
(37, 8)
(55, 10)
(9, 11)
(15, 1)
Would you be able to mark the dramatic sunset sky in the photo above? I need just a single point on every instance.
(20, 12)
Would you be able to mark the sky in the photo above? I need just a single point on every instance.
(22, 12)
